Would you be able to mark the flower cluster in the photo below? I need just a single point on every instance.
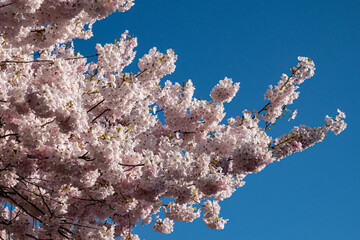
(37, 24)
(88, 150)
(283, 94)
(163, 226)
(181, 212)
(224, 91)
(211, 217)
(338, 125)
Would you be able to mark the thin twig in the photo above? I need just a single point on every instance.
(20, 206)
(288, 80)
(198, 202)
(129, 224)
(264, 108)
(4, 169)
(100, 115)
(71, 58)
(132, 165)
(123, 196)
(289, 139)
(34, 184)
(63, 234)
(8, 4)
(84, 157)
(47, 123)
(23, 189)
(32, 61)
(10, 134)
(282, 87)
(67, 230)
(36, 207)
(79, 225)
(31, 236)
(96, 105)
(137, 75)
(46, 60)
(47, 206)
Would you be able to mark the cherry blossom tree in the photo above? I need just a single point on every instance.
(84, 153)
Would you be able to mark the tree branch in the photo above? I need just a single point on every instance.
(47, 206)
(132, 165)
(18, 205)
(137, 75)
(84, 157)
(10, 134)
(47, 123)
(100, 115)
(96, 105)
(34, 206)
(8, 4)
(45, 60)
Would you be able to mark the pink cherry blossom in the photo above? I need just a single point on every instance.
(83, 151)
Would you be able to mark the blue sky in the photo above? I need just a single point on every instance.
(310, 195)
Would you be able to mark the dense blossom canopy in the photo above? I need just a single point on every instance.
(83, 152)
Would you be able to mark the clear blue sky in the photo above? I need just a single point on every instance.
(310, 195)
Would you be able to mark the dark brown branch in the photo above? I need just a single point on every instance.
(5, 193)
(17, 214)
(96, 105)
(86, 158)
(160, 110)
(264, 108)
(8, 4)
(4, 169)
(31, 236)
(129, 169)
(132, 165)
(71, 58)
(100, 115)
(141, 72)
(79, 225)
(90, 200)
(5, 222)
(288, 140)
(32, 192)
(38, 179)
(32, 61)
(34, 184)
(46, 205)
(129, 224)
(45, 60)
(10, 134)
(198, 202)
(18, 205)
(122, 195)
(47, 123)
(282, 87)
(67, 230)
(25, 199)
(63, 234)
